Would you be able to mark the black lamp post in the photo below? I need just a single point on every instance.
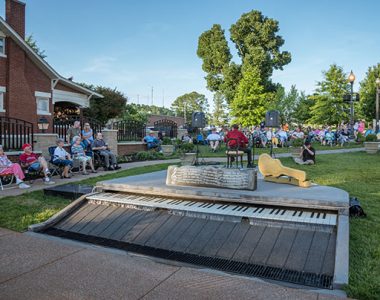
(351, 79)
(377, 103)
(43, 124)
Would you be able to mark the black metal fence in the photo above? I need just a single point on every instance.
(14, 133)
(129, 130)
(168, 126)
(60, 126)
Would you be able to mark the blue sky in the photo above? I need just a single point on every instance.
(137, 45)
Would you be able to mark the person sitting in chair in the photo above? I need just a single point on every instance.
(242, 140)
(213, 139)
(8, 167)
(32, 162)
(307, 156)
(79, 154)
(152, 142)
(109, 158)
(62, 158)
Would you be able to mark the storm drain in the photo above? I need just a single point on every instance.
(273, 273)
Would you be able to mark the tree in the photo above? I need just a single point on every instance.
(133, 112)
(257, 43)
(188, 103)
(329, 108)
(286, 103)
(219, 115)
(302, 112)
(33, 44)
(111, 106)
(251, 99)
(368, 93)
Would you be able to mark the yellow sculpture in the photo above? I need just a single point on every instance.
(274, 171)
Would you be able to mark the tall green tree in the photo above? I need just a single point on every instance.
(219, 115)
(133, 112)
(258, 44)
(251, 100)
(286, 103)
(329, 108)
(302, 112)
(368, 93)
(188, 103)
(33, 44)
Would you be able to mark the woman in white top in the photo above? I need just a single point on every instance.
(62, 158)
(213, 139)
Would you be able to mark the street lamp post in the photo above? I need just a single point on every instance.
(377, 103)
(351, 79)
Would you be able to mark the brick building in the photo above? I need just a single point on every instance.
(29, 87)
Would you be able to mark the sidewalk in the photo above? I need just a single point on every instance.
(39, 185)
(34, 266)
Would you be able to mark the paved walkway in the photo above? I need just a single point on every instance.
(34, 266)
(39, 185)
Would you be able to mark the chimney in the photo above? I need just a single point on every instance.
(15, 16)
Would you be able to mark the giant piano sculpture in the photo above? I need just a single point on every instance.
(277, 232)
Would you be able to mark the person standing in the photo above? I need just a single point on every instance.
(87, 136)
(73, 131)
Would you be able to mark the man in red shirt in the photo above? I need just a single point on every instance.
(242, 141)
(32, 162)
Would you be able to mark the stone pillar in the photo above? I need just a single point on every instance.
(181, 132)
(110, 137)
(42, 142)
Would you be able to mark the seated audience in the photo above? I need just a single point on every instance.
(272, 137)
(87, 136)
(343, 136)
(8, 167)
(307, 156)
(79, 154)
(297, 134)
(34, 163)
(109, 158)
(369, 130)
(186, 138)
(62, 158)
(73, 131)
(282, 137)
(242, 142)
(329, 137)
(152, 142)
(213, 139)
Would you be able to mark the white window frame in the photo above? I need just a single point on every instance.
(41, 96)
(2, 53)
(2, 92)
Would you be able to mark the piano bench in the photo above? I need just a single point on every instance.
(234, 155)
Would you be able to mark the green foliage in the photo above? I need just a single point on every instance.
(111, 106)
(258, 44)
(188, 103)
(368, 92)
(302, 112)
(133, 112)
(251, 101)
(185, 148)
(167, 141)
(33, 44)
(148, 155)
(371, 138)
(219, 115)
(329, 108)
(360, 138)
(298, 142)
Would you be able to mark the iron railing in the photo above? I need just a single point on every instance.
(60, 126)
(14, 133)
(129, 130)
(168, 126)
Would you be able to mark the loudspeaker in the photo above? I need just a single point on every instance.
(272, 118)
(198, 119)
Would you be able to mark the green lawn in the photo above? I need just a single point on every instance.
(358, 173)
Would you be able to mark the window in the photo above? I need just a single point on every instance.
(43, 106)
(2, 45)
(1, 102)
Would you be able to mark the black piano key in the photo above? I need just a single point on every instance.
(235, 207)
(261, 210)
(318, 215)
(277, 211)
(271, 212)
(312, 215)
(256, 209)
(294, 213)
(300, 214)
(245, 208)
(324, 215)
(283, 212)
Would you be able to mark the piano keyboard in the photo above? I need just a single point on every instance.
(235, 210)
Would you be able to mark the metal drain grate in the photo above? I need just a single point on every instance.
(274, 273)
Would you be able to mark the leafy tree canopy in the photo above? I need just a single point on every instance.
(219, 116)
(33, 44)
(329, 108)
(368, 92)
(258, 44)
(188, 103)
(133, 112)
(302, 111)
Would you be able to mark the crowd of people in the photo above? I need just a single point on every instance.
(80, 151)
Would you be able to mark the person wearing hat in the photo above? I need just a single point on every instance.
(8, 167)
(307, 156)
(151, 141)
(62, 158)
(33, 162)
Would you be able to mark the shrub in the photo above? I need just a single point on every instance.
(360, 138)
(186, 147)
(149, 155)
(166, 141)
(297, 142)
(371, 138)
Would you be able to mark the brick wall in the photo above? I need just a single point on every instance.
(62, 87)
(3, 73)
(154, 118)
(15, 16)
(130, 148)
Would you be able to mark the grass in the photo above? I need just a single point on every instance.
(358, 173)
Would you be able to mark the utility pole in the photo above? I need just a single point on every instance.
(138, 99)
(152, 97)
(163, 98)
